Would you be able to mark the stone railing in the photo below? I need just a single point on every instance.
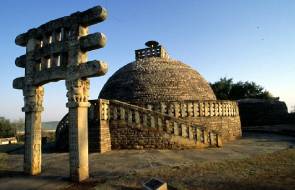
(145, 118)
(140, 117)
(207, 108)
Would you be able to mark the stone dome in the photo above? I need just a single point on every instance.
(154, 77)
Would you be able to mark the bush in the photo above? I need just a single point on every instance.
(9, 129)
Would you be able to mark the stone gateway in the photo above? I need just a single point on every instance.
(56, 51)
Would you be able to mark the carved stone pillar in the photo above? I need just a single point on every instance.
(78, 92)
(33, 97)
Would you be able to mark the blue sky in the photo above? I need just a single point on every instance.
(244, 40)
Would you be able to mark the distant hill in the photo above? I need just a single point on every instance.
(49, 125)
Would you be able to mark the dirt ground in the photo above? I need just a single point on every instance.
(257, 161)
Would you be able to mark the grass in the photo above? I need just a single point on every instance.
(6, 149)
(268, 172)
(3, 158)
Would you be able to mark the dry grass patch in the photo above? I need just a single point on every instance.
(3, 158)
(269, 172)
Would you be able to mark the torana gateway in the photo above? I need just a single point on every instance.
(157, 102)
(57, 50)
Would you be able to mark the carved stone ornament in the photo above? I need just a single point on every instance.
(33, 99)
(78, 90)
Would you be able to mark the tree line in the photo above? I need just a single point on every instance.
(9, 128)
(226, 89)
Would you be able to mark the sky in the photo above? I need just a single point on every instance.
(247, 40)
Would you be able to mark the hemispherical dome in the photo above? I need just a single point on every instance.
(156, 79)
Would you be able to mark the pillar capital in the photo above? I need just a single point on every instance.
(33, 97)
(78, 93)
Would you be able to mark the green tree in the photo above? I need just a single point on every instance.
(19, 124)
(6, 128)
(225, 89)
(222, 88)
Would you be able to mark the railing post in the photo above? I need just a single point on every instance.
(115, 113)
(152, 121)
(167, 126)
(129, 115)
(220, 109)
(219, 140)
(122, 113)
(160, 124)
(196, 109)
(183, 110)
(176, 129)
(191, 132)
(199, 135)
(216, 109)
(145, 120)
(176, 109)
(171, 110)
(184, 130)
(163, 108)
(211, 139)
(202, 109)
(205, 136)
(190, 109)
(137, 117)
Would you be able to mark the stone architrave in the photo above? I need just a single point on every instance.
(57, 50)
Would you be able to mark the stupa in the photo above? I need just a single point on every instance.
(157, 102)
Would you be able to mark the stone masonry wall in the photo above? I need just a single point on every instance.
(262, 112)
(228, 127)
(126, 136)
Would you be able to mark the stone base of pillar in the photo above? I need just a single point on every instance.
(79, 174)
(78, 141)
(32, 156)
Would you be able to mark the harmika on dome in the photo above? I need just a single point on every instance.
(157, 102)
